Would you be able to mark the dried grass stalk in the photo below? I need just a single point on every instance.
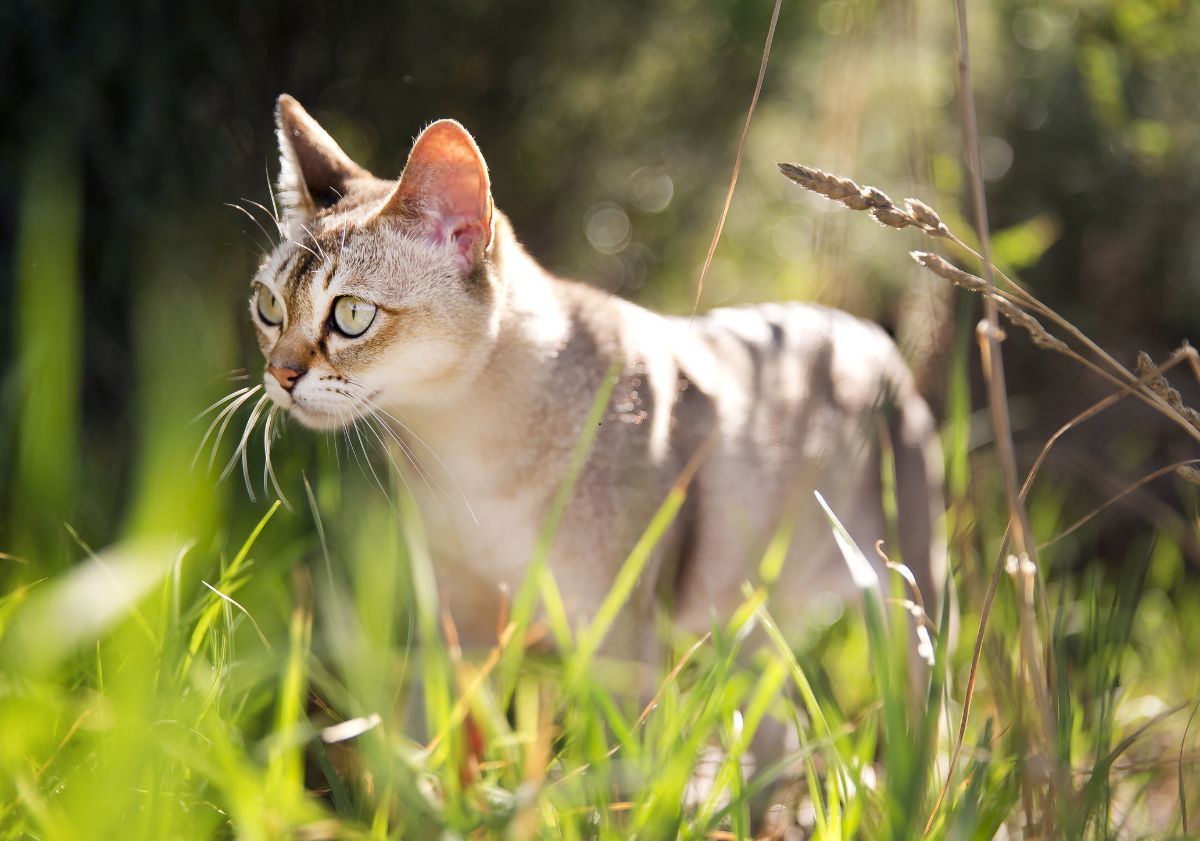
(823, 183)
(1157, 383)
(1014, 305)
(926, 217)
(839, 189)
(1015, 315)
(1188, 473)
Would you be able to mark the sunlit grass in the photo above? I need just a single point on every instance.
(173, 690)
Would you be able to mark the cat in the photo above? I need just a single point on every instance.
(414, 300)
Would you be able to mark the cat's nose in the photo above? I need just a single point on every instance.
(286, 375)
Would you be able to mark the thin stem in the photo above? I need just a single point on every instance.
(737, 160)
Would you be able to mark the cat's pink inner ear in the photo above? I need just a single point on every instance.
(445, 186)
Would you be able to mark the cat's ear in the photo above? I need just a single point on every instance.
(445, 189)
(313, 169)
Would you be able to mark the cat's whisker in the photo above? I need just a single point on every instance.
(278, 227)
(372, 414)
(251, 217)
(387, 452)
(350, 444)
(274, 206)
(228, 415)
(345, 225)
(305, 247)
(268, 467)
(314, 239)
(240, 451)
(266, 449)
(279, 232)
(440, 492)
(232, 375)
(208, 432)
(445, 468)
(331, 446)
(219, 402)
(223, 417)
(367, 458)
(379, 422)
(244, 448)
(380, 413)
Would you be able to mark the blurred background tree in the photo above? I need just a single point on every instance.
(610, 129)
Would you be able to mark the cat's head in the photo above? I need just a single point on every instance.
(382, 292)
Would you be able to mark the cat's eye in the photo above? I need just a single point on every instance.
(353, 315)
(270, 308)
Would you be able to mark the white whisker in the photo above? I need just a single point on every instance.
(349, 444)
(232, 375)
(331, 443)
(250, 216)
(267, 448)
(367, 458)
(387, 453)
(407, 429)
(268, 467)
(269, 216)
(314, 239)
(239, 452)
(275, 207)
(233, 394)
(372, 415)
(305, 247)
(380, 416)
(223, 417)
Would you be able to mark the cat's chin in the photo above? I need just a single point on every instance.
(315, 419)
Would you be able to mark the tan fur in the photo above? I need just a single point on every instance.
(494, 369)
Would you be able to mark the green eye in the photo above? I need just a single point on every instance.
(270, 308)
(353, 315)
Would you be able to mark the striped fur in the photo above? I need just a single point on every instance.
(485, 367)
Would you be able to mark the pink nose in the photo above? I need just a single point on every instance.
(285, 375)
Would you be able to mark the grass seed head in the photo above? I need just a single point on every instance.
(926, 217)
(831, 186)
(1017, 316)
(1159, 385)
(1188, 473)
(943, 269)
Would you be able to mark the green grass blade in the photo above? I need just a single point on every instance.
(524, 602)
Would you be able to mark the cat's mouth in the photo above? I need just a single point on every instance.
(315, 413)
(326, 404)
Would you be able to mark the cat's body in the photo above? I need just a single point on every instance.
(492, 363)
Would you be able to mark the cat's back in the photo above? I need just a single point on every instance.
(803, 398)
(790, 354)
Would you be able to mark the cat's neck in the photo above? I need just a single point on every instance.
(532, 323)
